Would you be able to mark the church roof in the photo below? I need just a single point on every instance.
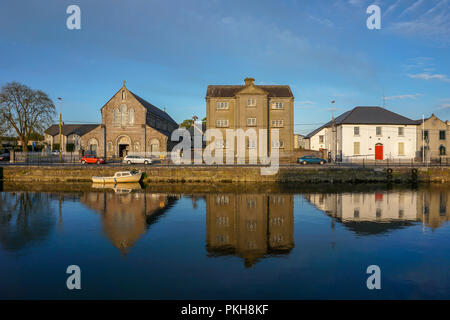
(68, 129)
(152, 109)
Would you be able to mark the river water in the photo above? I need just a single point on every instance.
(232, 242)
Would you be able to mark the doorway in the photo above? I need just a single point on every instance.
(123, 150)
(378, 151)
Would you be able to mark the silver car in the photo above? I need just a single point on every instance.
(137, 159)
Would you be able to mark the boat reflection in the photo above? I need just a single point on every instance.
(379, 212)
(126, 215)
(119, 187)
(249, 225)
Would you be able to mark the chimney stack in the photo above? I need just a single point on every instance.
(249, 81)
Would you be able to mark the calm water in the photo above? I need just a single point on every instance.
(269, 243)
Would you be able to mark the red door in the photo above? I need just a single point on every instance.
(379, 152)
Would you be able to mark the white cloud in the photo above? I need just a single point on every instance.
(323, 21)
(305, 104)
(429, 76)
(404, 96)
(412, 7)
(429, 20)
(392, 7)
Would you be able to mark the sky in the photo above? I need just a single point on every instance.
(170, 51)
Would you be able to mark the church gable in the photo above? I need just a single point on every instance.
(123, 110)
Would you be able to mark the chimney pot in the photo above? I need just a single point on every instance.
(249, 81)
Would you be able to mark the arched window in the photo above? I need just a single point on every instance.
(131, 116)
(442, 151)
(92, 146)
(123, 95)
(116, 116)
(123, 114)
(154, 146)
(137, 147)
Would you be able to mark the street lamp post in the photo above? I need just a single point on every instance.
(60, 130)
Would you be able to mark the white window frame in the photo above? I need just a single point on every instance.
(321, 138)
(251, 103)
(277, 144)
(277, 106)
(381, 131)
(356, 131)
(251, 122)
(222, 105)
(277, 123)
(401, 131)
(222, 123)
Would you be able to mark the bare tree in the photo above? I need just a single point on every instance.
(25, 110)
(3, 126)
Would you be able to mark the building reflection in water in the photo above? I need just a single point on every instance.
(127, 214)
(379, 212)
(249, 225)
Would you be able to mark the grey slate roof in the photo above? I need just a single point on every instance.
(229, 91)
(367, 115)
(152, 109)
(68, 129)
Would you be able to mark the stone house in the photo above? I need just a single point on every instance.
(129, 124)
(433, 135)
(251, 106)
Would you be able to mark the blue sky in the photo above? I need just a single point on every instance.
(170, 51)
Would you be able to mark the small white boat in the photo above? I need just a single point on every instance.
(120, 177)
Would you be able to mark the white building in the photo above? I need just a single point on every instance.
(370, 133)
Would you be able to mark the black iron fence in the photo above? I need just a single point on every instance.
(74, 158)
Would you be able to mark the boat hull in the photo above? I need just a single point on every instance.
(128, 179)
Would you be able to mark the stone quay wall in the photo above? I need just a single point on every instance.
(228, 174)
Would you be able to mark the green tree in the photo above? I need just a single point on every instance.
(25, 110)
(187, 123)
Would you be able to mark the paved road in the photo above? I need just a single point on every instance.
(158, 164)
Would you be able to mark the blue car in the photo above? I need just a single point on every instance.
(311, 159)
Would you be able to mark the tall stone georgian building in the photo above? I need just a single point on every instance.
(252, 106)
(129, 124)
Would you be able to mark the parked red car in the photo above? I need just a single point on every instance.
(92, 159)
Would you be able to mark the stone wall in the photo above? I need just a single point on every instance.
(214, 174)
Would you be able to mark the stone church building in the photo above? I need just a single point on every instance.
(129, 124)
